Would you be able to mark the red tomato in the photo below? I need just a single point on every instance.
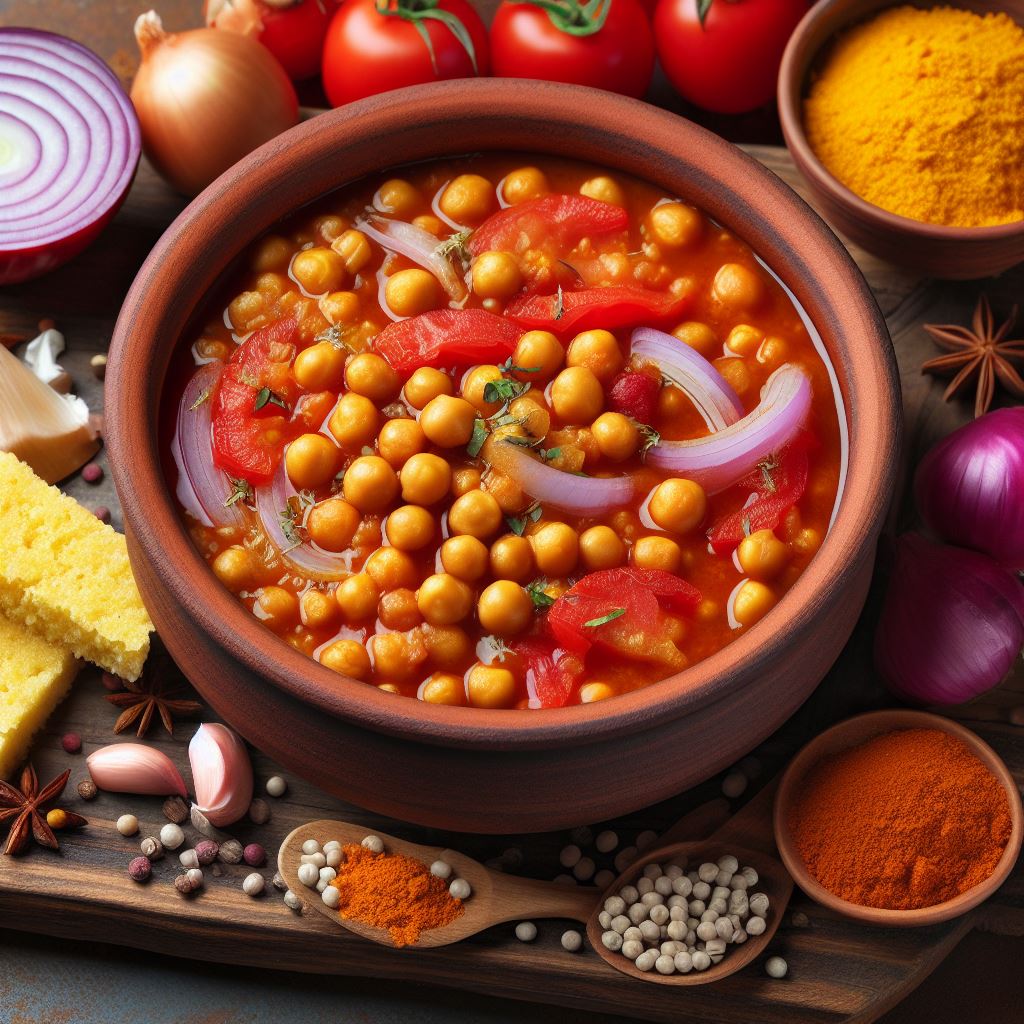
(634, 394)
(530, 41)
(551, 673)
(370, 49)
(586, 308)
(447, 337)
(730, 63)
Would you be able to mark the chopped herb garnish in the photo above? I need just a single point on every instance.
(522, 442)
(550, 453)
(766, 467)
(503, 390)
(268, 397)
(307, 499)
(518, 524)
(602, 619)
(203, 396)
(650, 435)
(476, 442)
(559, 305)
(509, 367)
(455, 246)
(288, 528)
(241, 490)
(540, 599)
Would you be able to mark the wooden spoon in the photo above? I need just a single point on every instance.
(498, 898)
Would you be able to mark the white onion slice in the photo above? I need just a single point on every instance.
(709, 391)
(417, 245)
(719, 460)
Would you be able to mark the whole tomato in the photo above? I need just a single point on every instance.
(606, 44)
(724, 55)
(376, 45)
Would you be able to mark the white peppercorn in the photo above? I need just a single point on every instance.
(637, 913)
(152, 848)
(441, 869)
(725, 928)
(334, 857)
(572, 941)
(328, 874)
(734, 785)
(665, 964)
(278, 882)
(620, 923)
(254, 884)
(333, 844)
(650, 931)
(188, 859)
(673, 871)
(723, 877)
(645, 839)
(373, 843)
(697, 907)
(706, 931)
(776, 967)
(309, 874)
(721, 892)
(680, 912)
(615, 905)
(659, 914)
(331, 897)
(569, 856)
(310, 846)
(759, 904)
(700, 960)
(646, 960)
(526, 931)
(625, 857)
(604, 919)
(632, 948)
(460, 889)
(276, 786)
(629, 894)
(663, 885)
(690, 940)
(584, 869)
(719, 906)
(606, 841)
(604, 878)
(644, 885)
(292, 901)
(750, 875)
(739, 883)
(172, 836)
(317, 859)
(756, 926)
(127, 824)
(677, 930)
(715, 949)
(633, 933)
(230, 851)
(682, 886)
(683, 962)
(739, 936)
(652, 871)
(611, 940)
(652, 899)
(709, 915)
(195, 876)
(701, 891)
(738, 903)
(707, 872)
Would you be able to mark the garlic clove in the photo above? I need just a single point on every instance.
(134, 768)
(221, 774)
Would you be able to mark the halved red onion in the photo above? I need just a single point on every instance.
(719, 460)
(271, 501)
(417, 245)
(69, 146)
(202, 488)
(557, 489)
(709, 391)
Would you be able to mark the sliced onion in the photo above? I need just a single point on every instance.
(557, 489)
(271, 501)
(202, 488)
(721, 459)
(417, 245)
(709, 391)
(69, 146)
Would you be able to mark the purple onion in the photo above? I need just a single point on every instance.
(417, 245)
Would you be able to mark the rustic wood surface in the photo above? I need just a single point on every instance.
(839, 971)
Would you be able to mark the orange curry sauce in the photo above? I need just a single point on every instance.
(388, 629)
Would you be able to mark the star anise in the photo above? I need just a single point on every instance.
(145, 697)
(980, 351)
(24, 805)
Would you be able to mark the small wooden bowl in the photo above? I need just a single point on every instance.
(938, 251)
(851, 733)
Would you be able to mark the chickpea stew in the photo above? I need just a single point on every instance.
(505, 432)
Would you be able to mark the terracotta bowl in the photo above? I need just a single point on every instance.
(851, 733)
(934, 250)
(465, 768)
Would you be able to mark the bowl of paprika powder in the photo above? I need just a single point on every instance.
(898, 818)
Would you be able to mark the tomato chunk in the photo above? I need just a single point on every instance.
(635, 394)
(558, 221)
(552, 674)
(447, 337)
(587, 308)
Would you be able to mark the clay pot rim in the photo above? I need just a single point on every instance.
(829, 17)
(720, 178)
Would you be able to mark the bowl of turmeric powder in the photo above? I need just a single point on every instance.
(907, 122)
(898, 818)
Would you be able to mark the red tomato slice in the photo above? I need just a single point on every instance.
(447, 337)
(248, 442)
(559, 220)
(765, 512)
(621, 610)
(551, 673)
(635, 394)
(587, 308)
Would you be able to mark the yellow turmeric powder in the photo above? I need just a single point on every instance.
(921, 112)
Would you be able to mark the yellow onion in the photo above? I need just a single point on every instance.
(205, 99)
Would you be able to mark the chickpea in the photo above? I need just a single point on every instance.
(411, 292)
(605, 189)
(370, 484)
(329, 226)
(671, 402)
(475, 383)
(807, 541)
(675, 629)
(524, 183)
(272, 286)
(235, 568)
(465, 480)
(277, 607)
(674, 225)
(743, 340)
(354, 249)
(318, 610)
(504, 609)
(540, 352)
(354, 421)
(399, 197)
(468, 199)
(530, 408)
(735, 372)
(444, 599)
(431, 224)
(464, 557)
(576, 395)
(556, 549)
(272, 254)
(595, 691)
(332, 524)
(347, 658)
(598, 351)
(318, 270)
(357, 597)
(512, 558)
(476, 513)
(698, 336)
(444, 688)
(490, 687)
(656, 553)
(391, 569)
(496, 275)
(752, 602)
(310, 461)
(449, 646)
(425, 384)
(410, 528)
(370, 375)
(678, 505)
(246, 311)
(762, 555)
(616, 435)
(447, 421)
(399, 440)
(425, 479)
(737, 287)
(340, 307)
(773, 352)
(388, 688)
(601, 548)
(395, 655)
(320, 367)
(397, 609)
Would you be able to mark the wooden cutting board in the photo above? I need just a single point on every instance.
(839, 971)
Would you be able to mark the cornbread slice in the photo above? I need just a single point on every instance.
(66, 576)
(35, 677)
